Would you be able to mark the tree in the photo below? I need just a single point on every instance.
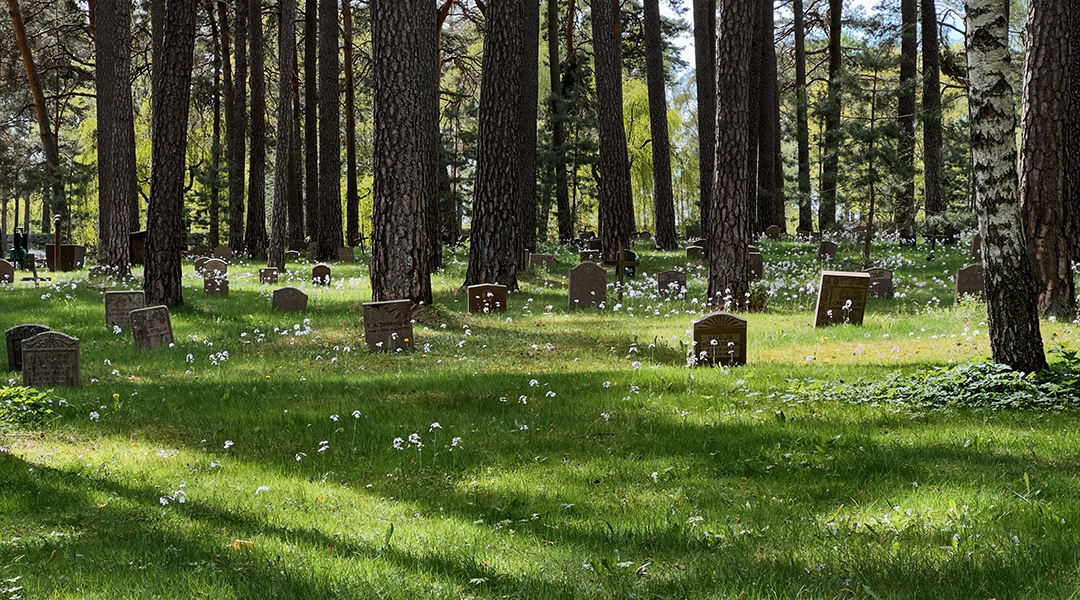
(171, 94)
(616, 206)
(329, 217)
(658, 127)
(1013, 320)
(296, 199)
(833, 133)
(213, 236)
(405, 112)
(802, 126)
(705, 76)
(255, 237)
(115, 131)
(558, 128)
(311, 117)
(768, 193)
(905, 201)
(352, 202)
(236, 129)
(284, 180)
(1072, 197)
(931, 113)
(527, 116)
(1044, 129)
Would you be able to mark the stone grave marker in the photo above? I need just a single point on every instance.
(756, 264)
(671, 282)
(223, 253)
(588, 285)
(214, 267)
(542, 260)
(99, 272)
(268, 275)
(628, 263)
(15, 337)
(969, 282)
(289, 299)
(720, 338)
(7, 272)
(841, 298)
(118, 306)
(773, 232)
(292, 256)
(487, 298)
(151, 327)
(215, 286)
(695, 252)
(346, 255)
(881, 283)
(589, 256)
(320, 274)
(826, 250)
(388, 325)
(51, 359)
(200, 265)
(976, 247)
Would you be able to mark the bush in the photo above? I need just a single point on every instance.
(25, 407)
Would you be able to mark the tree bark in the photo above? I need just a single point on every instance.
(768, 129)
(116, 131)
(831, 160)
(527, 116)
(558, 128)
(236, 129)
(1010, 298)
(214, 207)
(1072, 195)
(255, 237)
(909, 53)
(663, 201)
(296, 199)
(284, 182)
(352, 202)
(228, 93)
(802, 126)
(705, 77)
(169, 117)
(311, 118)
(406, 151)
(931, 111)
(329, 234)
(1044, 128)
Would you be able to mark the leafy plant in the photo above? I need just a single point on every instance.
(25, 406)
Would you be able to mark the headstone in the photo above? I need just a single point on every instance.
(118, 306)
(292, 256)
(487, 298)
(841, 298)
(289, 299)
(543, 260)
(881, 283)
(589, 256)
(969, 282)
(976, 247)
(588, 285)
(320, 274)
(346, 255)
(223, 253)
(151, 327)
(15, 337)
(216, 286)
(200, 265)
(268, 275)
(588, 235)
(773, 232)
(671, 282)
(595, 244)
(51, 359)
(137, 246)
(628, 263)
(7, 272)
(753, 249)
(826, 250)
(388, 325)
(720, 338)
(643, 235)
(99, 272)
(215, 267)
(695, 252)
(757, 265)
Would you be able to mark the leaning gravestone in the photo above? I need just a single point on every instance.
(589, 256)
(588, 285)
(969, 282)
(223, 253)
(7, 272)
(214, 267)
(773, 232)
(720, 338)
(15, 337)
(320, 274)
(826, 250)
(268, 275)
(346, 255)
(289, 299)
(151, 327)
(757, 265)
(542, 260)
(118, 306)
(388, 325)
(881, 283)
(841, 298)
(487, 298)
(215, 286)
(51, 359)
(695, 252)
(671, 282)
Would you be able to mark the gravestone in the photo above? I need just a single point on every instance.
(976, 247)
(7, 272)
(216, 286)
(200, 265)
(542, 260)
(99, 272)
(841, 298)
(51, 359)
(595, 244)
(588, 235)
(628, 263)
(346, 255)
(695, 252)
(756, 264)
(223, 253)
(589, 256)
(151, 327)
(320, 274)
(969, 282)
(289, 299)
(671, 282)
(826, 250)
(720, 338)
(773, 232)
(214, 267)
(268, 275)
(15, 337)
(881, 283)
(292, 256)
(118, 306)
(588, 285)
(388, 325)
(487, 298)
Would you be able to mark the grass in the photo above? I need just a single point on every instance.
(576, 456)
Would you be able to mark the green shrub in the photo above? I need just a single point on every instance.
(25, 406)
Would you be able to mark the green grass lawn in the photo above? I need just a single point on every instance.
(537, 453)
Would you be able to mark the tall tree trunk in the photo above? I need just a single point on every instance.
(311, 118)
(768, 129)
(831, 160)
(236, 129)
(527, 116)
(213, 210)
(931, 111)
(296, 197)
(705, 77)
(1043, 153)
(116, 131)
(909, 55)
(352, 201)
(616, 205)
(284, 180)
(727, 227)
(663, 202)
(255, 237)
(493, 248)
(558, 129)
(406, 149)
(802, 126)
(1010, 297)
(169, 116)
(330, 234)
(228, 93)
(1072, 195)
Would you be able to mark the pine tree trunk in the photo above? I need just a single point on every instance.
(768, 113)
(352, 202)
(802, 126)
(1072, 195)
(833, 134)
(284, 182)
(527, 116)
(558, 129)
(329, 234)
(931, 111)
(705, 77)
(1043, 154)
(116, 131)
(214, 207)
(311, 119)
(228, 94)
(1010, 297)
(255, 237)
(909, 51)
(663, 201)
(236, 129)
(296, 196)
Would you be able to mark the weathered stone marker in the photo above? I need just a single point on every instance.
(969, 282)
(51, 359)
(589, 256)
(268, 275)
(289, 299)
(346, 255)
(7, 272)
(543, 260)
(224, 253)
(720, 338)
(487, 298)
(388, 325)
(321, 274)
(292, 256)
(756, 264)
(151, 327)
(773, 232)
(215, 286)
(214, 267)
(881, 283)
(695, 252)
(118, 306)
(15, 337)
(588, 285)
(841, 298)
(976, 247)
(671, 282)
(826, 250)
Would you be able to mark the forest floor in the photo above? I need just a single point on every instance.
(540, 452)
